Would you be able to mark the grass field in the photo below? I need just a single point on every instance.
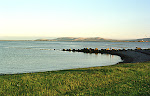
(122, 79)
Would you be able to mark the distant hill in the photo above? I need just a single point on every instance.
(97, 39)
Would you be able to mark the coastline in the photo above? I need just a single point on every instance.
(128, 56)
(134, 56)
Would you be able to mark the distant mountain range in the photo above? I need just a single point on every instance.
(96, 39)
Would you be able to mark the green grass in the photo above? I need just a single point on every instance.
(122, 79)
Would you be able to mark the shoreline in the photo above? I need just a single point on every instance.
(134, 56)
(128, 56)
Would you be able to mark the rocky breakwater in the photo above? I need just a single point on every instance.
(127, 55)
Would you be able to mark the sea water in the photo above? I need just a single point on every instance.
(40, 56)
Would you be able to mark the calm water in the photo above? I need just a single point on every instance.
(39, 56)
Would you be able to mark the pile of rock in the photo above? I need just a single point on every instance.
(96, 50)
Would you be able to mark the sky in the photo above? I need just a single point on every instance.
(112, 19)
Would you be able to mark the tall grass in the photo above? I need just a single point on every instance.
(122, 79)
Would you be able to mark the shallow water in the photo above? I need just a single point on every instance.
(39, 56)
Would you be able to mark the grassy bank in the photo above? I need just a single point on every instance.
(121, 79)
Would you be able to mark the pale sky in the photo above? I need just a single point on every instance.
(112, 19)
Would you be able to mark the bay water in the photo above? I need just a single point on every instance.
(40, 56)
